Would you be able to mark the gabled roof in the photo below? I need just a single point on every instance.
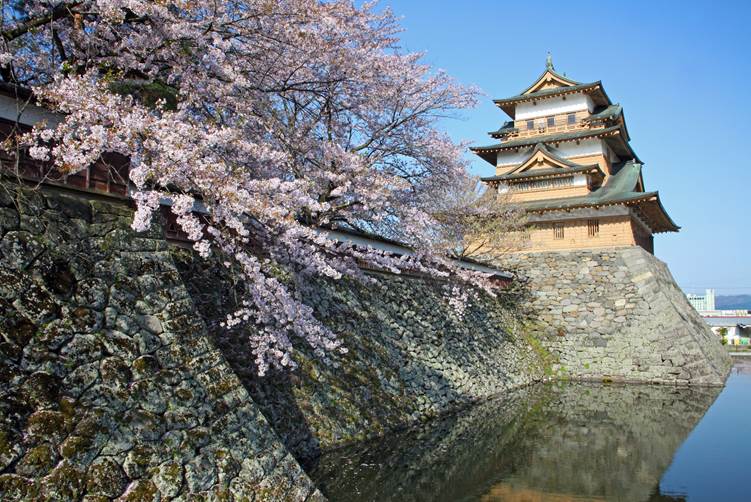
(620, 188)
(548, 77)
(551, 172)
(616, 136)
(542, 154)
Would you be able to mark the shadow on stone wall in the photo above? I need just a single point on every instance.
(573, 441)
(409, 357)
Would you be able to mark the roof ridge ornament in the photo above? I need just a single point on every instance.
(549, 62)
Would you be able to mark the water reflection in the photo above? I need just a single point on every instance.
(713, 463)
(559, 442)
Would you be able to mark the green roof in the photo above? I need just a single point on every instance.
(545, 138)
(549, 68)
(622, 148)
(619, 188)
(548, 92)
(607, 112)
(600, 97)
(541, 173)
(506, 128)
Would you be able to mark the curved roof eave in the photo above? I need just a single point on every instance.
(545, 173)
(508, 105)
(555, 138)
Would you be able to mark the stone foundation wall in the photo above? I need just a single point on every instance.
(410, 357)
(617, 314)
(117, 381)
(109, 385)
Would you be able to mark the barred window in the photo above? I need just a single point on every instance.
(530, 124)
(571, 118)
(541, 184)
(558, 231)
(593, 228)
(551, 121)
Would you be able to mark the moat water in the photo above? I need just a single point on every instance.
(563, 442)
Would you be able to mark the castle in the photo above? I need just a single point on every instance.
(565, 158)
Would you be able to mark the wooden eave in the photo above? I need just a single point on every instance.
(648, 204)
(560, 172)
(550, 76)
(541, 154)
(614, 135)
(594, 90)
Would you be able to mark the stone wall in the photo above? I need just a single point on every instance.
(410, 358)
(617, 314)
(109, 386)
(117, 380)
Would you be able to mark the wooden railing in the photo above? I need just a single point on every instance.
(541, 125)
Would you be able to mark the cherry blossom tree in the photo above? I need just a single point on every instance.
(260, 122)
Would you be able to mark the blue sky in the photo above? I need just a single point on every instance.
(681, 70)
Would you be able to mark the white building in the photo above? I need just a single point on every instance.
(702, 302)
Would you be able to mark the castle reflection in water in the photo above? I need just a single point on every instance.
(551, 442)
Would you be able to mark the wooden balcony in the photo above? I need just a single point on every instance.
(551, 124)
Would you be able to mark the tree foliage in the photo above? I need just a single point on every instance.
(276, 118)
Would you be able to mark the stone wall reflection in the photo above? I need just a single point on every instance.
(548, 442)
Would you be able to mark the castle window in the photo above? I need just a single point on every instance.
(542, 184)
(558, 231)
(571, 118)
(551, 121)
(530, 124)
(593, 228)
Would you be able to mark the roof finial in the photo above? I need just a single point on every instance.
(549, 62)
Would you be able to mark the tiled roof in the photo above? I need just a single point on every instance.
(620, 188)
(545, 138)
(544, 173)
(594, 89)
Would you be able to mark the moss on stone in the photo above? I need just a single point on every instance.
(47, 424)
(545, 359)
(65, 482)
(14, 487)
(6, 449)
(38, 461)
(105, 477)
(141, 491)
(74, 446)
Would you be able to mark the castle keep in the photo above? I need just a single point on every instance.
(565, 157)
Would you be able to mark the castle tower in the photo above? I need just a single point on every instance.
(565, 157)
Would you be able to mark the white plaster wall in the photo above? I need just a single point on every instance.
(554, 106)
(580, 180)
(590, 146)
(29, 114)
(511, 158)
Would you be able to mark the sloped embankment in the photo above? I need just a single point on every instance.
(410, 356)
(109, 384)
(617, 314)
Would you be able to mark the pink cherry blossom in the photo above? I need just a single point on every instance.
(259, 122)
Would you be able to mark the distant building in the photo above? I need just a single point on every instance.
(702, 302)
(736, 330)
